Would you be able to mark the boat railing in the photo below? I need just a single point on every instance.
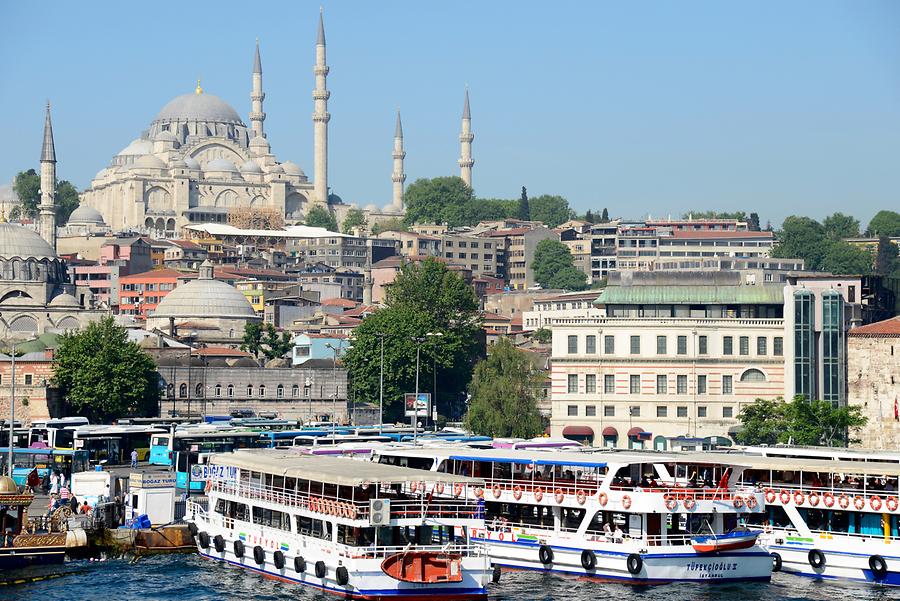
(496, 487)
(805, 495)
(788, 531)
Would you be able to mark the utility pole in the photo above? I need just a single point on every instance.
(381, 388)
(415, 417)
(12, 409)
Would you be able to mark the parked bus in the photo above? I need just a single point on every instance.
(25, 460)
(112, 444)
(164, 446)
(44, 432)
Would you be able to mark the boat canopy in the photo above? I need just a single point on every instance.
(797, 464)
(331, 470)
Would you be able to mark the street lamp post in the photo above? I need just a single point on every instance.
(381, 388)
(434, 378)
(418, 340)
(334, 392)
(12, 408)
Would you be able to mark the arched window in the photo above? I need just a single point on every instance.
(249, 390)
(753, 375)
(262, 391)
(198, 390)
(295, 391)
(182, 390)
(279, 392)
(230, 391)
(218, 390)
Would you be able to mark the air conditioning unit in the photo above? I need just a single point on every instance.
(380, 512)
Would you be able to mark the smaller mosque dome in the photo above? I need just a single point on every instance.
(85, 215)
(137, 147)
(64, 300)
(149, 161)
(291, 168)
(178, 164)
(251, 167)
(205, 297)
(276, 169)
(221, 165)
(192, 163)
(259, 142)
(103, 173)
(17, 241)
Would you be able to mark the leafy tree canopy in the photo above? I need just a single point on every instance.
(886, 223)
(102, 375)
(319, 216)
(543, 335)
(354, 218)
(887, 260)
(839, 226)
(842, 259)
(551, 210)
(801, 238)
(265, 339)
(736, 215)
(27, 186)
(554, 267)
(437, 200)
(799, 422)
(390, 225)
(524, 211)
(504, 393)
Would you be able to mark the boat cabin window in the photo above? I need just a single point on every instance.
(355, 537)
(610, 519)
(233, 510)
(271, 518)
(417, 463)
(500, 515)
(313, 527)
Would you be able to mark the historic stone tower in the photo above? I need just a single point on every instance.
(465, 141)
(257, 116)
(48, 185)
(320, 121)
(398, 176)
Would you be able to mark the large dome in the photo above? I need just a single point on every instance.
(199, 107)
(17, 241)
(204, 298)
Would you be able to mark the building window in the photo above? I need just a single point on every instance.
(609, 345)
(590, 383)
(727, 412)
(590, 345)
(182, 391)
(681, 384)
(833, 360)
(662, 411)
(662, 384)
(635, 345)
(590, 410)
(230, 391)
(851, 294)
(804, 343)
(744, 345)
(701, 411)
(295, 391)
(634, 384)
(249, 390)
(778, 346)
(703, 345)
(573, 345)
(761, 345)
(29, 379)
(279, 392)
(660, 345)
(573, 383)
(728, 345)
(609, 384)
(634, 411)
(262, 391)
(218, 390)
(682, 411)
(682, 345)
(609, 410)
(753, 375)
(727, 385)
(572, 410)
(701, 384)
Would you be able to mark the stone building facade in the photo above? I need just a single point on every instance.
(36, 399)
(873, 378)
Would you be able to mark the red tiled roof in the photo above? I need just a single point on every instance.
(518, 231)
(889, 328)
(339, 302)
(495, 317)
(186, 244)
(358, 311)
(154, 274)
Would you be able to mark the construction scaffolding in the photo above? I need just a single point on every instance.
(256, 218)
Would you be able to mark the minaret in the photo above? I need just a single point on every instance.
(465, 141)
(320, 120)
(257, 116)
(398, 176)
(47, 208)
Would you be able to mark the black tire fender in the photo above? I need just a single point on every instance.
(219, 543)
(635, 564)
(816, 559)
(203, 539)
(495, 575)
(278, 560)
(259, 555)
(588, 560)
(545, 554)
(299, 564)
(238, 549)
(320, 569)
(341, 575)
(878, 566)
(192, 528)
(776, 562)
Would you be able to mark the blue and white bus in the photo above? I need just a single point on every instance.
(44, 460)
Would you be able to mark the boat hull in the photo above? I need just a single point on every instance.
(12, 558)
(709, 544)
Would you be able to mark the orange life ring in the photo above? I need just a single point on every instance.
(751, 502)
(891, 503)
(737, 501)
(439, 488)
(332, 507)
(626, 501)
(671, 502)
(814, 499)
(353, 512)
(497, 491)
(479, 492)
(785, 497)
(538, 494)
(875, 503)
(457, 489)
(517, 492)
(859, 502)
(580, 496)
(689, 502)
(208, 486)
(603, 499)
(770, 495)
(844, 501)
(828, 499)
(799, 498)
(312, 504)
(560, 495)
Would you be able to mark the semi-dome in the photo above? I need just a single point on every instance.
(17, 241)
(64, 300)
(251, 167)
(204, 298)
(221, 165)
(85, 215)
(291, 168)
(198, 107)
(137, 147)
(149, 161)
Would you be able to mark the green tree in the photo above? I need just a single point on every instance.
(801, 238)
(437, 200)
(799, 422)
(102, 375)
(393, 224)
(551, 210)
(504, 393)
(554, 267)
(485, 209)
(524, 212)
(589, 216)
(754, 222)
(264, 338)
(735, 215)
(762, 422)
(27, 186)
(542, 335)
(885, 223)
(839, 226)
(319, 216)
(67, 200)
(886, 259)
(604, 217)
(354, 218)
(843, 259)
(424, 298)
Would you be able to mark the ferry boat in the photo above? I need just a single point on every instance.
(636, 517)
(362, 530)
(829, 519)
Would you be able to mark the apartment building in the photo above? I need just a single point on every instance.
(514, 250)
(116, 258)
(579, 305)
(140, 293)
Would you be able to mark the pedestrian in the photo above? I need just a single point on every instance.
(64, 493)
(134, 458)
(73, 504)
(54, 482)
(85, 508)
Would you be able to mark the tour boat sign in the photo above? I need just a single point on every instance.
(206, 472)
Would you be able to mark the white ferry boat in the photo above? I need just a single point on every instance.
(362, 530)
(638, 517)
(829, 518)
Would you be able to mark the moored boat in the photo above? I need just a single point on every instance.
(729, 541)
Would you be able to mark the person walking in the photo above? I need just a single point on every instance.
(54, 482)
(134, 458)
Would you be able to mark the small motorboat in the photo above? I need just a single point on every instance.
(740, 538)
(423, 567)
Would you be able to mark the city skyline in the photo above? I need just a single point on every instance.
(773, 110)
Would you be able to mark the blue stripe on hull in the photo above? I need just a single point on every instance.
(633, 580)
(625, 553)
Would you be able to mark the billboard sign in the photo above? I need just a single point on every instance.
(417, 405)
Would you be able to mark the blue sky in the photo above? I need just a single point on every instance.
(642, 107)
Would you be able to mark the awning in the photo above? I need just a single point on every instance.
(610, 431)
(492, 459)
(570, 463)
(577, 431)
(635, 431)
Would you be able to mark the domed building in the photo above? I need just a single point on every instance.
(204, 310)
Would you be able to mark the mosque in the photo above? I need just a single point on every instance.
(198, 162)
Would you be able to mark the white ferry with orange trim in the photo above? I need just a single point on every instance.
(636, 517)
(358, 529)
